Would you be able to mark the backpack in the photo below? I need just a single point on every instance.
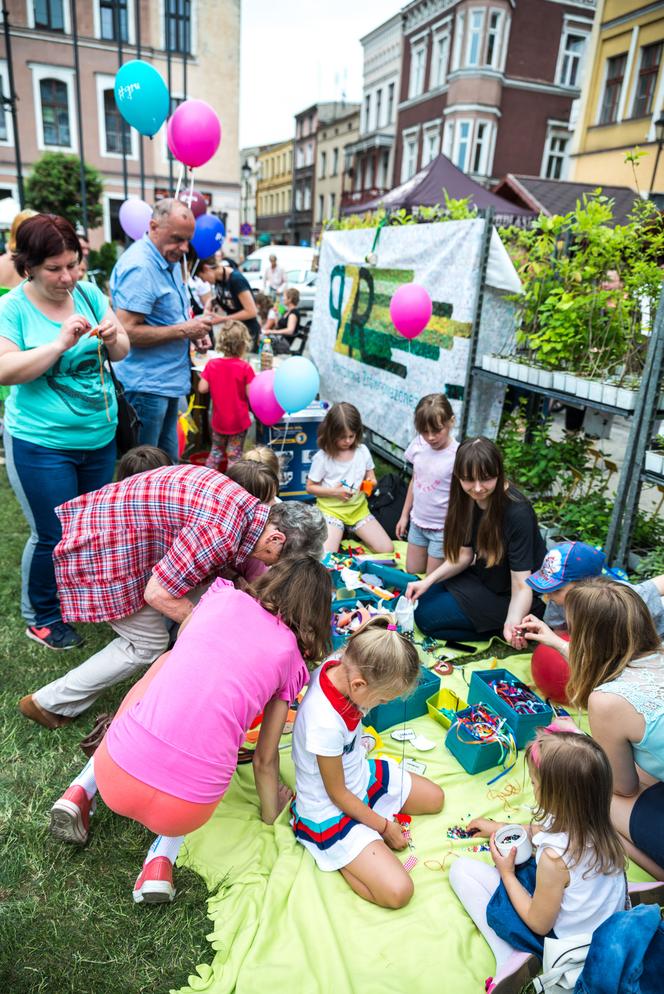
(387, 500)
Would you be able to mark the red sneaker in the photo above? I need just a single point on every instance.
(70, 816)
(155, 882)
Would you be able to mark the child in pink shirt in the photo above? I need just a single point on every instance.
(227, 380)
(172, 748)
(432, 454)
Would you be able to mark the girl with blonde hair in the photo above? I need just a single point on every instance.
(617, 672)
(345, 804)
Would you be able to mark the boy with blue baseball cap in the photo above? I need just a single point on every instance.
(570, 562)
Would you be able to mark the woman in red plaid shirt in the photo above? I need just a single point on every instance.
(134, 553)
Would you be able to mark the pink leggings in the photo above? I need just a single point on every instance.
(162, 813)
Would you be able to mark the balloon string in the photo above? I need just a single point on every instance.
(194, 267)
(283, 437)
(190, 196)
(180, 177)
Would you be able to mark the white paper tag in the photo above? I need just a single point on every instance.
(424, 744)
(404, 735)
(413, 766)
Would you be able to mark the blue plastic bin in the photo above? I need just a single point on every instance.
(474, 756)
(390, 576)
(524, 726)
(404, 708)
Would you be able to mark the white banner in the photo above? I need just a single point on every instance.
(364, 360)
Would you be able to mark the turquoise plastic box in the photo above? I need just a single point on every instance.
(474, 756)
(404, 708)
(524, 726)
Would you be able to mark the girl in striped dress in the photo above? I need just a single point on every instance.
(345, 804)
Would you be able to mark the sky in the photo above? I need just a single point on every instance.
(294, 53)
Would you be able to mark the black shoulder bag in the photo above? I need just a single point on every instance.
(129, 423)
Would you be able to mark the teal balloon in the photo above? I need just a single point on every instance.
(296, 383)
(141, 96)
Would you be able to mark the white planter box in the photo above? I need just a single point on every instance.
(560, 381)
(570, 382)
(610, 394)
(486, 362)
(655, 462)
(625, 399)
(516, 370)
(545, 378)
(582, 388)
(595, 391)
(532, 375)
(503, 367)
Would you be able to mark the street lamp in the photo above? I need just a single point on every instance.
(659, 138)
(246, 177)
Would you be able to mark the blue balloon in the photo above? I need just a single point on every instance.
(296, 383)
(141, 96)
(208, 235)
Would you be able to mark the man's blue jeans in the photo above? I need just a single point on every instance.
(42, 479)
(159, 420)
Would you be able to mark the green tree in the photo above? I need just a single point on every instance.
(53, 187)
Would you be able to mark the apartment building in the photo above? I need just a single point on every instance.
(491, 84)
(274, 191)
(334, 165)
(305, 154)
(623, 99)
(195, 47)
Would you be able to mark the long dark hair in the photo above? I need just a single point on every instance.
(298, 590)
(477, 459)
(340, 418)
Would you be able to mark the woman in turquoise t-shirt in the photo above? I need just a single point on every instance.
(61, 414)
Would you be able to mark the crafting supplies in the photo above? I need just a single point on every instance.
(411, 862)
(423, 744)
(405, 709)
(479, 738)
(509, 697)
(511, 836)
(413, 766)
(403, 735)
(459, 832)
(442, 707)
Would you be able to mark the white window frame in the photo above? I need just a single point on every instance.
(497, 60)
(441, 38)
(430, 131)
(103, 84)
(131, 24)
(322, 164)
(378, 106)
(106, 211)
(449, 129)
(390, 102)
(332, 205)
(460, 123)
(193, 28)
(578, 32)
(416, 83)
(486, 157)
(410, 140)
(66, 17)
(472, 35)
(459, 31)
(41, 71)
(307, 197)
(309, 154)
(320, 209)
(4, 82)
(554, 130)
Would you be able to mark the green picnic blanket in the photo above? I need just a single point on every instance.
(281, 925)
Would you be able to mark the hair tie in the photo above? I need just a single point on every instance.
(392, 628)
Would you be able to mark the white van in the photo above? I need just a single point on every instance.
(292, 259)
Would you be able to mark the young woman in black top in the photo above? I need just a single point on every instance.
(288, 323)
(492, 543)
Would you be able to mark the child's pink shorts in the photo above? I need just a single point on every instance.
(162, 813)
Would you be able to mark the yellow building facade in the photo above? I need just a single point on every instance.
(274, 190)
(622, 97)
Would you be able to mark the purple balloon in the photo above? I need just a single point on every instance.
(261, 397)
(135, 217)
(410, 309)
(193, 133)
(197, 203)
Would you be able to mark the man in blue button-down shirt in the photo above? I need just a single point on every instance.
(152, 302)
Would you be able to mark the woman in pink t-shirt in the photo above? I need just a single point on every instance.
(227, 380)
(432, 454)
(171, 750)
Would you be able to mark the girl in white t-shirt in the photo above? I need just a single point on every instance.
(340, 476)
(432, 454)
(345, 803)
(577, 877)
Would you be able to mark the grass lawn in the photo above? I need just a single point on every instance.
(67, 921)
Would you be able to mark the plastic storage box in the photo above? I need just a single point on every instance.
(474, 756)
(404, 708)
(295, 442)
(445, 698)
(389, 575)
(523, 726)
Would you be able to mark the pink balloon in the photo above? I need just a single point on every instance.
(410, 309)
(193, 133)
(197, 203)
(261, 397)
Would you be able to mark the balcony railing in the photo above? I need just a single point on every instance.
(351, 197)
